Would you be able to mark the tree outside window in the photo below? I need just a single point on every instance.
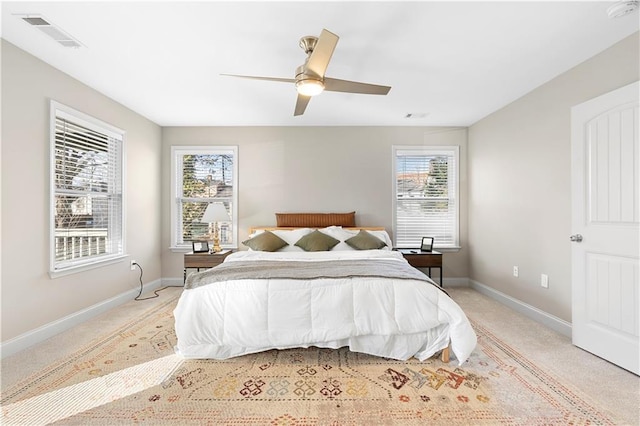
(203, 175)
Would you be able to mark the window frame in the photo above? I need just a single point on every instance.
(62, 268)
(178, 151)
(427, 150)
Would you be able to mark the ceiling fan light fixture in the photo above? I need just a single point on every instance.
(309, 87)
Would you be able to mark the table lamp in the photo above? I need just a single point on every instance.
(214, 213)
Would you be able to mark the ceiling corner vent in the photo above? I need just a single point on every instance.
(54, 32)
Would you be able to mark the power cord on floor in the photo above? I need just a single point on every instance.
(155, 292)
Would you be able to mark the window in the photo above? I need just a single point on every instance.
(87, 225)
(203, 175)
(425, 196)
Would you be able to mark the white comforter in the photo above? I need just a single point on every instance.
(397, 319)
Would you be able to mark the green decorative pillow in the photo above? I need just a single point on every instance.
(365, 241)
(317, 241)
(265, 241)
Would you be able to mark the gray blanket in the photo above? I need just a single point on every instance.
(306, 270)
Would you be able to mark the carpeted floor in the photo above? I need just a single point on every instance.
(521, 373)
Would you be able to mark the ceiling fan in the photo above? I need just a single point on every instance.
(310, 79)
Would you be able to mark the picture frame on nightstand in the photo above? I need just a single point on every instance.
(427, 244)
(200, 246)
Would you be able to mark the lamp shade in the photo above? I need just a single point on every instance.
(215, 212)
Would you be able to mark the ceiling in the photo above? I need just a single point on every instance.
(456, 62)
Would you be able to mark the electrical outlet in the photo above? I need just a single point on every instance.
(133, 265)
(515, 271)
(544, 280)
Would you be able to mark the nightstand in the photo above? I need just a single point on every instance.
(203, 260)
(423, 259)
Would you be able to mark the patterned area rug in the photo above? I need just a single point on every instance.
(132, 376)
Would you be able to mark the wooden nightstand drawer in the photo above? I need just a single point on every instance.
(423, 259)
(204, 260)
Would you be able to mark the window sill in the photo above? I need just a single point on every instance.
(183, 249)
(438, 249)
(187, 249)
(447, 249)
(87, 266)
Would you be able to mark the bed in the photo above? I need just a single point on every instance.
(369, 299)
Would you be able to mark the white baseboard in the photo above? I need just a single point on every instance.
(559, 325)
(47, 331)
(456, 282)
(172, 282)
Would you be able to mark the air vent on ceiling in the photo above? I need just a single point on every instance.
(415, 115)
(51, 30)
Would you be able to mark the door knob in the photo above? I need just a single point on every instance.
(576, 238)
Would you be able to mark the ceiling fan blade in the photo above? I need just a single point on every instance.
(336, 85)
(322, 52)
(282, 80)
(301, 104)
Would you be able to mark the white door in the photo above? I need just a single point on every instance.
(605, 216)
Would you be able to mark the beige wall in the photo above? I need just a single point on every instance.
(313, 169)
(519, 182)
(31, 299)
(515, 191)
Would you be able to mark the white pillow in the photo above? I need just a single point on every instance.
(291, 236)
(343, 234)
(384, 236)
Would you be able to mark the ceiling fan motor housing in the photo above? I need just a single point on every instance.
(302, 73)
(304, 76)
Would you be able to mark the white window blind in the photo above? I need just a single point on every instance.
(87, 197)
(203, 175)
(426, 196)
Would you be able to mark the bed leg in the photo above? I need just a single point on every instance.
(445, 355)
